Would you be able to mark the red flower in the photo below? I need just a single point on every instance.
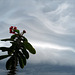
(13, 32)
(15, 28)
(10, 30)
(11, 27)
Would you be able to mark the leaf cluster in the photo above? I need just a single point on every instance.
(17, 52)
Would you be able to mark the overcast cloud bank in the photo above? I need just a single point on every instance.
(49, 25)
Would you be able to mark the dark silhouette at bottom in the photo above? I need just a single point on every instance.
(12, 72)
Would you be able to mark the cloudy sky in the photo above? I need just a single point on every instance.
(50, 26)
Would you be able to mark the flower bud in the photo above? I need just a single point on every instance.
(15, 28)
(10, 31)
(24, 31)
(11, 27)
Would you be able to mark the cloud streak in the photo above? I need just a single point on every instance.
(49, 25)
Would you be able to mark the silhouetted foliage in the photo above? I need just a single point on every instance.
(19, 50)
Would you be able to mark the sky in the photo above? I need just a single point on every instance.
(49, 25)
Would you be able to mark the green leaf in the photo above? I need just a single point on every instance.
(21, 62)
(6, 39)
(10, 52)
(23, 57)
(17, 31)
(9, 63)
(24, 39)
(4, 48)
(25, 53)
(29, 47)
(3, 56)
(13, 36)
(14, 45)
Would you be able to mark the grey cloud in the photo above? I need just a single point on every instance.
(43, 24)
(53, 56)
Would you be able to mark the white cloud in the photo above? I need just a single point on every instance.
(61, 8)
(53, 54)
(45, 45)
(52, 27)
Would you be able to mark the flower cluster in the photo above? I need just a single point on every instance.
(14, 30)
(11, 29)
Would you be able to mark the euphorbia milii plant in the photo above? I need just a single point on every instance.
(18, 52)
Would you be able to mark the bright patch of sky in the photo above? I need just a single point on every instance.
(50, 26)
